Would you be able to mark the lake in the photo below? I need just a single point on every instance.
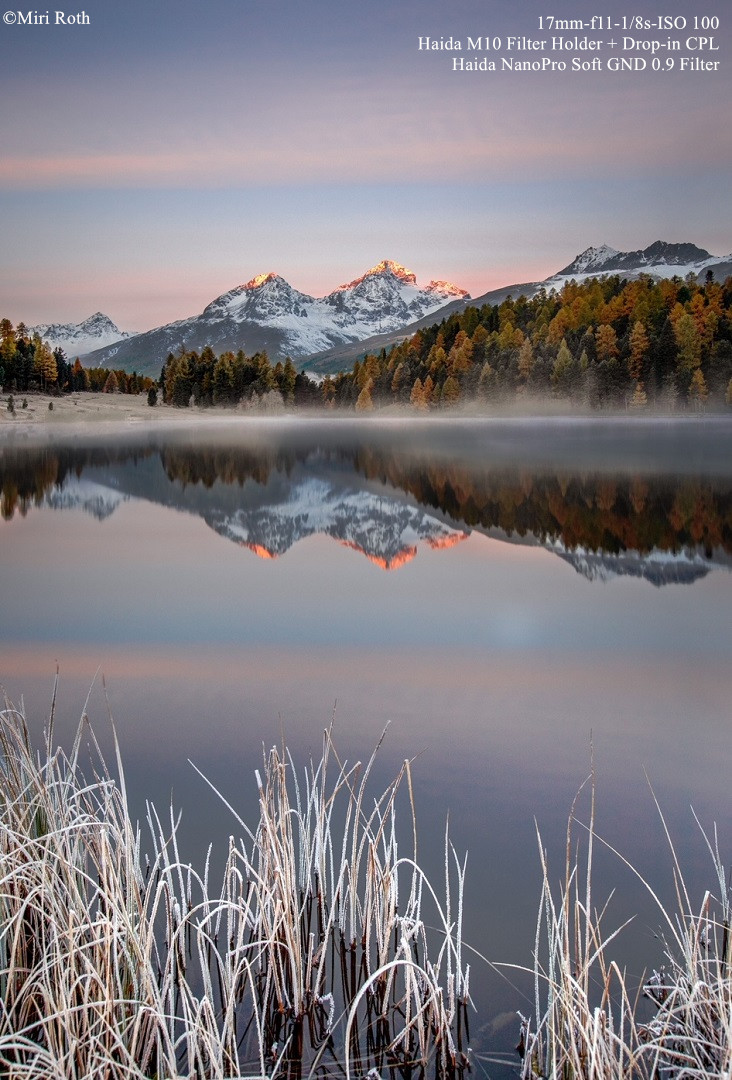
(511, 597)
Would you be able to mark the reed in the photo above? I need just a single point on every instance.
(311, 955)
(590, 1025)
(319, 950)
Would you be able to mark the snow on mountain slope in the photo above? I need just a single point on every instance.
(382, 299)
(268, 313)
(76, 339)
(659, 259)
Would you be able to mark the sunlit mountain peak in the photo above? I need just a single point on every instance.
(261, 279)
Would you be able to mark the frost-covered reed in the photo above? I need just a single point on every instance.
(312, 954)
(678, 1027)
(320, 950)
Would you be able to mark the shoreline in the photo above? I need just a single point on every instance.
(85, 415)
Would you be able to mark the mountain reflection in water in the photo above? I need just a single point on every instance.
(384, 497)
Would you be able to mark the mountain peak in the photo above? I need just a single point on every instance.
(391, 267)
(385, 269)
(447, 289)
(604, 259)
(76, 339)
(262, 279)
(590, 259)
(99, 322)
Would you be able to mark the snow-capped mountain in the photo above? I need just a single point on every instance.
(383, 299)
(77, 339)
(658, 259)
(268, 313)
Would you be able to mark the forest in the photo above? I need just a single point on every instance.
(607, 343)
(603, 344)
(28, 363)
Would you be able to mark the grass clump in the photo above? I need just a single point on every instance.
(311, 956)
(591, 1025)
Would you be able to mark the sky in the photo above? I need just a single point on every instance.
(161, 153)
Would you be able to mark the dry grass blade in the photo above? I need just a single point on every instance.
(302, 956)
(589, 1025)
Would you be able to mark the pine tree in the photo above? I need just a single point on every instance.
(428, 390)
(364, 401)
(525, 360)
(487, 381)
(606, 343)
(688, 342)
(44, 363)
(639, 345)
(698, 392)
(223, 381)
(565, 369)
(639, 399)
(416, 397)
(111, 386)
(450, 391)
(289, 375)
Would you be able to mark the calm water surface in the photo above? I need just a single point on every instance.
(504, 595)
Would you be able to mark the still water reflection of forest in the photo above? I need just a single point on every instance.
(503, 594)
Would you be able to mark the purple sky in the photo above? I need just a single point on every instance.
(166, 152)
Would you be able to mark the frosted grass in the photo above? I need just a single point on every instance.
(312, 952)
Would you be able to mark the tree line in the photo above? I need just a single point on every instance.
(203, 379)
(604, 343)
(28, 363)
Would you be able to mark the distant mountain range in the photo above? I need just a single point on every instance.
(659, 260)
(78, 339)
(268, 314)
(327, 334)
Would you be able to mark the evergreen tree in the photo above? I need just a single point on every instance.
(525, 360)
(111, 386)
(450, 391)
(639, 345)
(688, 343)
(364, 401)
(639, 399)
(44, 363)
(223, 381)
(565, 371)
(698, 392)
